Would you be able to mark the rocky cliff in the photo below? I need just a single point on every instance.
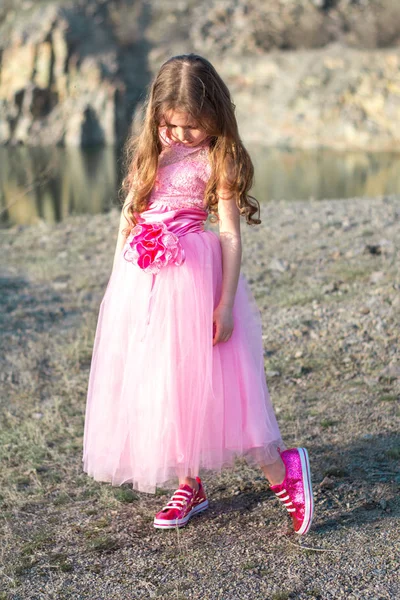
(304, 73)
(65, 77)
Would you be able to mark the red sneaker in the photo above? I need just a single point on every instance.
(295, 491)
(184, 503)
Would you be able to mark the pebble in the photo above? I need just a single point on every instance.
(279, 265)
(390, 372)
(271, 374)
(376, 277)
(327, 483)
(373, 248)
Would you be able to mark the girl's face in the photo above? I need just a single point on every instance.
(183, 128)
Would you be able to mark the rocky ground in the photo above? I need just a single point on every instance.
(327, 280)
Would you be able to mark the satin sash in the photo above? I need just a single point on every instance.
(180, 221)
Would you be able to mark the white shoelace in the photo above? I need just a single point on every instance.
(284, 498)
(178, 501)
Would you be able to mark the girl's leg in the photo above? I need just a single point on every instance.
(190, 482)
(275, 472)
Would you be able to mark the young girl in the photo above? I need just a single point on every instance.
(177, 381)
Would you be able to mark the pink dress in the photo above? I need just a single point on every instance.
(162, 400)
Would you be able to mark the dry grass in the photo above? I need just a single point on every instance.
(67, 536)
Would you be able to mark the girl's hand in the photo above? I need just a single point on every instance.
(223, 323)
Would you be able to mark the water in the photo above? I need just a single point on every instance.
(324, 174)
(50, 183)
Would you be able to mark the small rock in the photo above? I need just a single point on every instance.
(383, 503)
(396, 301)
(60, 285)
(376, 277)
(271, 374)
(370, 381)
(42, 469)
(303, 370)
(373, 249)
(365, 310)
(369, 504)
(346, 225)
(331, 287)
(382, 247)
(390, 372)
(327, 483)
(277, 264)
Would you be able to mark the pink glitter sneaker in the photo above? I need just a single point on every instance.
(295, 491)
(184, 503)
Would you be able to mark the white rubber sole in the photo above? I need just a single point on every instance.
(163, 524)
(308, 494)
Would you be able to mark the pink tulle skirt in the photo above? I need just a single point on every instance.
(163, 402)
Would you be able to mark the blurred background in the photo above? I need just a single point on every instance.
(316, 84)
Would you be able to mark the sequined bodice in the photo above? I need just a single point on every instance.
(183, 172)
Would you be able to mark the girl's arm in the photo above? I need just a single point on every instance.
(123, 222)
(231, 245)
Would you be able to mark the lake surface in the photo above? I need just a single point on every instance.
(51, 183)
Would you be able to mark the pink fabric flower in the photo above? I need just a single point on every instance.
(152, 246)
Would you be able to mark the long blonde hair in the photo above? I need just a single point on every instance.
(189, 83)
